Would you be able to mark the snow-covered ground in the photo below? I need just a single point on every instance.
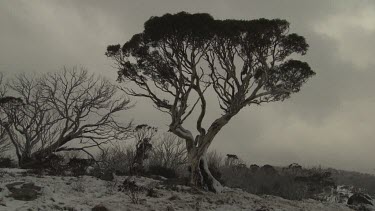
(83, 193)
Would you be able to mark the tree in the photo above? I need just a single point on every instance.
(4, 143)
(143, 136)
(178, 59)
(60, 108)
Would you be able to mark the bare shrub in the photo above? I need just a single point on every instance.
(362, 181)
(167, 157)
(289, 184)
(7, 162)
(79, 166)
(111, 187)
(116, 159)
(132, 190)
(168, 152)
(215, 161)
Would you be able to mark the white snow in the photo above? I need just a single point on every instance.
(83, 193)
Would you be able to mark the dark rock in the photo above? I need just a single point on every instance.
(13, 185)
(24, 194)
(360, 198)
(99, 208)
(27, 192)
(31, 186)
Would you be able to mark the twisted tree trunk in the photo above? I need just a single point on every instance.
(200, 175)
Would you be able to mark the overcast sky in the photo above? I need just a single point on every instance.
(330, 122)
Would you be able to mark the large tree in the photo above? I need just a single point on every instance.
(58, 108)
(179, 58)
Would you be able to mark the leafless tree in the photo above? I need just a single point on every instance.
(4, 142)
(32, 125)
(61, 107)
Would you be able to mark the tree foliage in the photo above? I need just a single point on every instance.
(246, 62)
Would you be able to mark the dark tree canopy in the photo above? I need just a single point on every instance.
(172, 45)
(178, 57)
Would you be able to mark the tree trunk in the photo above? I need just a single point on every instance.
(200, 175)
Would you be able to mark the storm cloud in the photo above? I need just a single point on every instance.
(329, 123)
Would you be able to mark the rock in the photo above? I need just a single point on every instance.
(31, 186)
(24, 194)
(27, 192)
(11, 186)
(99, 208)
(360, 198)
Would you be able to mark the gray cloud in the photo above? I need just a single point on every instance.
(329, 122)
